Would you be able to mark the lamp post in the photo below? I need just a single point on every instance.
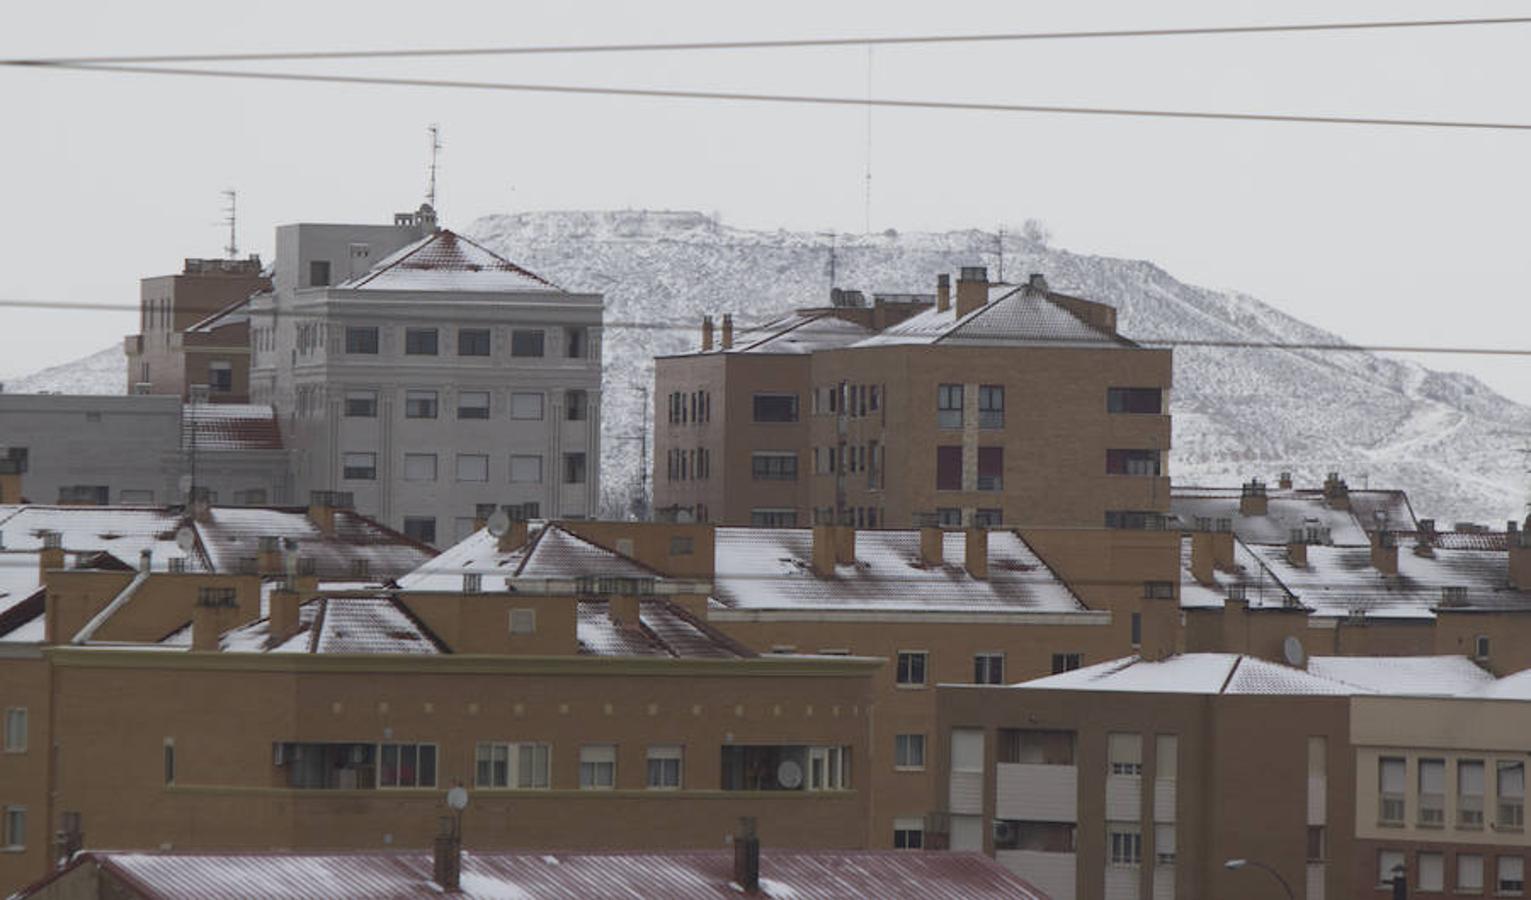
(1242, 863)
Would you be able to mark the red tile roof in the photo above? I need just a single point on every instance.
(448, 261)
(229, 426)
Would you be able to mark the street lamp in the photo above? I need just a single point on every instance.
(1241, 863)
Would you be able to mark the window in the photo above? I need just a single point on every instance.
(988, 668)
(491, 765)
(775, 407)
(472, 467)
(1164, 844)
(1124, 843)
(991, 468)
(769, 466)
(473, 404)
(988, 517)
(785, 767)
(773, 518)
(948, 517)
(1432, 792)
(168, 761)
(220, 377)
(949, 468)
(991, 406)
(597, 767)
(526, 343)
(1390, 784)
(361, 404)
(908, 833)
(419, 467)
(575, 343)
(576, 405)
(949, 406)
(16, 730)
(420, 404)
(1317, 844)
(1470, 785)
(526, 470)
(909, 751)
(911, 666)
(574, 468)
(523, 621)
(1470, 873)
(361, 339)
(473, 342)
(1065, 662)
(526, 406)
(1512, 795)
(1134, 400)
(420, 528)
(1139, 520)
(1512, 875)
(1389, 864)
(829, 768)
(318, 272)
(1132, 462)
(664, 767)
(1137, 629)
(359, 466)
(1432, 872)
(1480, 647)
(406, 765)
(15, 828)
(1125, 754)
(420, 341)
(682, 545)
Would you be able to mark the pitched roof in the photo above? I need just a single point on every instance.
(550, 552)
(229, 426)
(1288, 510)
(1260, 587)
(664, 630)
(1338, 581)
(1016, 315)
(1193, 673)
(1443, 676)
(447, 261)
(805, 331)
(369, 625)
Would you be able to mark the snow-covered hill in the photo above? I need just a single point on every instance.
(104, 372)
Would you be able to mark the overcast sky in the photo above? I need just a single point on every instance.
(1383, 235)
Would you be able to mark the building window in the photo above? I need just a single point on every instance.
(1432, 793)
(949, 468)
(991, 468)
(775, 407)
(1137, 630)
(1135, 400)
(1390, 784)
(1512, 875)
(361, 339)
(773, 518)
(909, 751)
(420, 404)
(1065, 662)
(948, 517)
(361, 404)
(988, 517)
(1512, 795)
(908, 833)
(168, 761)
(526, 470)
(1389, 864)
(318, 272)
(491, 765)
(785, 767)
(1158, 590)
(1432, 872)
(597, 767)
(949, 406)
(574, 468)
(576, 342)
(406, 765)
(523, 766)
(988, 668)
(664, 769)
(473, 405)
(526, 343)
(419, 467)
(682, 545)
(220, 377)
(16, 729)
(1125, 754)
(523, 621)
(1470, 786)
(1164, 844)
(768, 466)
(1480, 647)
(526, 406)
(473, 342)
(911, 666)
(472, 467)
(1469, 873)
(420, 341)
(15, 828)
(420, 528)
(576, 406)
(1132, 462)
(359, 466)
(991, 406)
(1137, 520)
(1124, 843)
(1317, 844)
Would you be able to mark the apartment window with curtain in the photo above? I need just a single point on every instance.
(361, 404)
(1470, 785)
(909, 751)
(473, 405)
(949, 468)
(1512, 876)
(1432, 793)
(420, 404)
(1511, 777)
(1469, 873)
(664, 767)
(1391, 778)
(1124, 843)
(1389, 863)
(1125, 754)
(361, 339)
(1132, 462)
(1432, 872)
(991, 468)
(473, 342)
(420, 341)
(991, 406)
(949, 406)
(15, 837)
(988, 668)
(597, 767)
(526, 343)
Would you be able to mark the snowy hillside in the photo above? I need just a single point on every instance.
(99, 373)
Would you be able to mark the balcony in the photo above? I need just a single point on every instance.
(1036, 791)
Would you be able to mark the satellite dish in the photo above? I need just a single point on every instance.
(499, 522)
(457, 798)
(789, 774)
(185, 538)
(1291, 648)
(185, 484)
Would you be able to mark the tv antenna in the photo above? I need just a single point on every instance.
(231, 219)
(867, 212)
(1000, 244)
(435, 131)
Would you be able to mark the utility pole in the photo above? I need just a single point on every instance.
(435, 131)
(231, 219)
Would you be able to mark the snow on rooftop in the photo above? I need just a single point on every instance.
(346, 625)
(1445, 676)
(1014, 315)
(799, 332)
(1192, 673)
(229, 426)
(550, 551)
(1260, 587)
(447, 261)
(665, 630)
(1339, 580)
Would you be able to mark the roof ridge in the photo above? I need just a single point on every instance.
(1237, 661)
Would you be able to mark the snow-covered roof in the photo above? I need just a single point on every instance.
(770, 569)
(350, 625)
(1015, 315)
(550, 552)
(665, 630)
(447, 261)
(1510, 687)
(234, 313)
(674, 874)
(1261, 589)
(229, 426)
(1288, 510)
(1444, 676)
(1193, 673)
(807, 331)
(1340, 580)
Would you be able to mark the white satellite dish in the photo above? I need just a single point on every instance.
(499, 522)
(185, 484)
(789, 774)
(1291, 648)
(457, 798)
(186, 539)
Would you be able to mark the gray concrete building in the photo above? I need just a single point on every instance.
(427, 376)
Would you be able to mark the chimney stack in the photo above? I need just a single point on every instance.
(976, 553)
(1284, 481)
(932, 551)
(515, 536)
(447, 859)
(1036, 283)
(972, 289)
(1385, 552)
(1518, 541)
(201, 504)
(270, 561)
(706, 333)
(1297, 548)
(943, 292)
(1211, 548)
(845, 545)
(824, 551)
(52, 555)
(623, 610)
(145, 560)
(747, 856)
(284, 618)
(322, 506)
(728, 331)
(1336, 492)
(213, 614)
(10, 479)
(1253, 501)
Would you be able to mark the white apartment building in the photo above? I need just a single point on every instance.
(427, 376)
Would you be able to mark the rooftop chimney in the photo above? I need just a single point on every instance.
(447, 859)
(1297, 548)
(1336, 492)
(706, 333)
(1211, 548)
(283, 620)
(1284, 481)
(213, 614)
(1385, 552)
(322, 506)
(199, 393)
(270, 561)
(972, 289)
(70, 838)
(932, 553)
(52, 555)
(943, 292)
(515, 536)
(976, 553)
(1036, 283)
(202, 504)
(845, 545)
(10, 480)
(145, 559)
(728, 331)
(747, 856)
(1253, 500)
(824, 551)
(1519, 545)
(623, 610)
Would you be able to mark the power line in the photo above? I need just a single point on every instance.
(809, 99)
(784, 43)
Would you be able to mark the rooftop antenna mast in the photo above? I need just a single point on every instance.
(435, 130)
(231, 219)
(1000, 241)
(867, 212)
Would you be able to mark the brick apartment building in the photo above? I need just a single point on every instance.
(1005, 403)
(192, 330)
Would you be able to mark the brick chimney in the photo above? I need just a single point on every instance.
(706, 333)
(1211, 549)
(201, 504)
(447, 856)
(845, 545)
(52, 555)
(322, 506)
(271, 561)
(623, 610)
(972, 289)
(213, 614)
(1385, 552)
(976, 553)
(1297, 548)
(747, 856)
(514, 536)
(1284, 481)
(1336, 492)
(823, 558)
(728, 331)
(932, 551)
(1518, 541)
(1253, 500)
(943, 292)
(283, 620)
(10, 480)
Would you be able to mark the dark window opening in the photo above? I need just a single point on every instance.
(420, 341)
(1132, 462)
(1135, 400)
(526, 343)
(949, 468)
(361, 339)
(473, 342)
(991, 468)
(775, 407)
(318, 272)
